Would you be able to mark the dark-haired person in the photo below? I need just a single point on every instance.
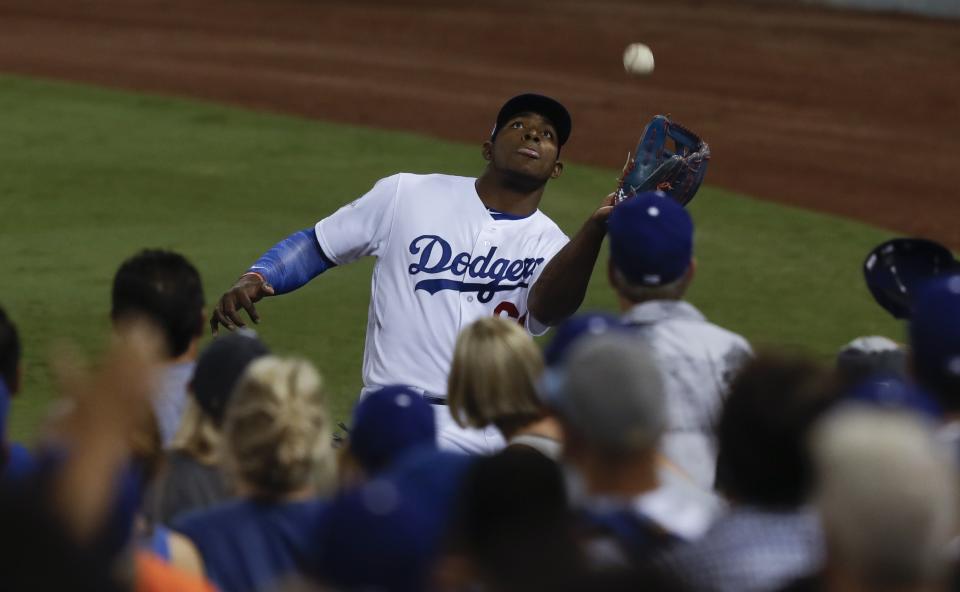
(769, 536)
(449, 251)
(15, 460)
(164, 287)
(512, 528)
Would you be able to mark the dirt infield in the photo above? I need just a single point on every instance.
(848, 113)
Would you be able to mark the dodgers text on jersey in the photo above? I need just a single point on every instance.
(436, 257)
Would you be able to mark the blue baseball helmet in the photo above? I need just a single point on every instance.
(895, 269)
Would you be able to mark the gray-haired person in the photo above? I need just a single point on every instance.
(609, 397)
(886, 495)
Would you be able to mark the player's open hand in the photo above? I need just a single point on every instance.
(249, 288)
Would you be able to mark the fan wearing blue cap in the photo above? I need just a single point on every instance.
(387, 534)
(651, 267)
(573, 330)
(386, 425)
(935, 341)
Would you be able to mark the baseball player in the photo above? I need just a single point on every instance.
(449, 250)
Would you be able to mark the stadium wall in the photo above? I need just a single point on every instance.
(934, 8)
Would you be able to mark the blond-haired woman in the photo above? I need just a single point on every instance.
(495, 368)
(277, 449)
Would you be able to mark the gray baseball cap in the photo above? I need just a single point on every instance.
(611, 392)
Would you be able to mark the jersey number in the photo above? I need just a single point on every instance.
(511, 311)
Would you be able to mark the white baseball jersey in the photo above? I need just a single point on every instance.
(697, 359)
(443, 261)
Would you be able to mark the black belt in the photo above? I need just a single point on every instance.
(434, 400)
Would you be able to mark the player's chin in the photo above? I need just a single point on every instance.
(526, 179)
(536, 170)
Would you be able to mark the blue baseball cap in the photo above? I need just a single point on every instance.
(651, 239)
(895, 269)
(389, 422)
(893, 391)
(573, 329)
(935, 330)
(386, 534)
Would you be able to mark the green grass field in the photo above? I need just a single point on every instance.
(91, 176)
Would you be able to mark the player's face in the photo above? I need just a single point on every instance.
(527, 145)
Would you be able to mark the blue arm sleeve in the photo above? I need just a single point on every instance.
(293, 262)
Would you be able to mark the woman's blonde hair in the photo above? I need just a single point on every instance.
(197, 435)
(492, 380)
(277, 436)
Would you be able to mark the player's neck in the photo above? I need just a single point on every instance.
(504, 195)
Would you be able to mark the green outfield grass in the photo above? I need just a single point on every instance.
(91, 176)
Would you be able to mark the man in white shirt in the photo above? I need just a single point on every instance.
(651, 267)
(166, 288)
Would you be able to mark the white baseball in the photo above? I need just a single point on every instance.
(638, 59)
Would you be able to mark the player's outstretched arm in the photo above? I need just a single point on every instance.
(291, 263)
(250, 288)
(560, 290)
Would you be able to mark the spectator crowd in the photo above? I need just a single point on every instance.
(647, 450)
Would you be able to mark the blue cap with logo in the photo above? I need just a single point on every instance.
(651, 239)
(389, 422)
(935, 330)
(894, 392)
(573, 329)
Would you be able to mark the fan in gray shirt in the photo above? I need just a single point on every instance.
(192, 478)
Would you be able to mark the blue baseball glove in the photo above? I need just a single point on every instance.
(655, 168)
